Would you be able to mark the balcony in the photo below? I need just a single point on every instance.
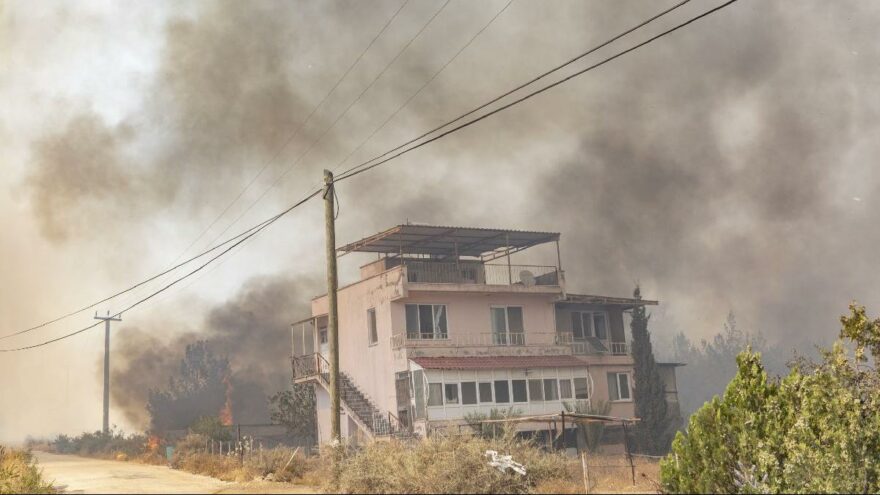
(434, 272)
(493, 340)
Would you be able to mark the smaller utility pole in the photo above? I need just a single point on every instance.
(107, 319)
(332, 314)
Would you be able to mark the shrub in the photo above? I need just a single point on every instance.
(444, 465)
(108, 445)
(816, 430)
(19, 473)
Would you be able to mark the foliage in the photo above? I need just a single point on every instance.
(444, 465)
(815, 430)
(589, 434)
(296, 410)
(476, 421)
(108, 445)
(653, 432)
(19, 473)
(212, 428)
(199, 390)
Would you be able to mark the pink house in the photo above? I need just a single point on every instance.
(441, 325)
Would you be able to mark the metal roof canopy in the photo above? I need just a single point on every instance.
(449, 241)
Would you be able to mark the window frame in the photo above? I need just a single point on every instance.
(491, 393)
(372, 328)
(629, 394)
(462, 394)
(437, 334)
(507, 340)
(525, 389)
(446, 400)
(430, 395)
(592, 333)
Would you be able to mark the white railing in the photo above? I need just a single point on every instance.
(585, 347)
(477, 273)
(477, 340)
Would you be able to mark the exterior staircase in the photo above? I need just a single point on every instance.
(313, 368)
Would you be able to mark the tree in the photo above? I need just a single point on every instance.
(198, 390)
(815, 430)
(649, 392)
(296, 410)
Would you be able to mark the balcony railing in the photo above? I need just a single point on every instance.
(477, 340)
(478, 273)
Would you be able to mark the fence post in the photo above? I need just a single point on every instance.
(586, 471)
(562, 443)
(628, 453)
(240, 449)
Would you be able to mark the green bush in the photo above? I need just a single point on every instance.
(816, 430)
(19, 473)
(444, 465)
(110, 444)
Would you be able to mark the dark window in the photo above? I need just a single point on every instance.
(485, 392)
(502, 392)
(519, 391)
(581, 390)
(577, 326)
(451, 393)
(565, 389)
(468, 393)
(623, 386)
(435, 394)
(599, 326)
(412, 321)
(371, 324)
(536, 391)
(426, 321)
(550, 391)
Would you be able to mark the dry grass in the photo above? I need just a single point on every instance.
(19, 473)
(608, 474)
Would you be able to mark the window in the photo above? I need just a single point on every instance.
(435, 394)
(485, 392)
(618, 387)
(586, 324)
(371, 326)
(419, 392)
(519, 391)
(565, 389)
(468, 393)
(426, 321)
(507, 325)
(581, 388)
(502, 392)
(550, 390)
(322, 334)
(451, 395)
(536, 391)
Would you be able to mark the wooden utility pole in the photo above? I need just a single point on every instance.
(107, 319)
(332, 314)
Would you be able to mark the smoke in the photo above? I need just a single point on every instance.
(252, 330)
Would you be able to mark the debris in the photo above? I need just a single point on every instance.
(505, 462)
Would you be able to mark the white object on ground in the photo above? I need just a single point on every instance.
(504, 462)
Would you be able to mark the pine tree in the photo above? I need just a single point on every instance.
(649, 393)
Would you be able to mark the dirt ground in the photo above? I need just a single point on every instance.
(74, 474)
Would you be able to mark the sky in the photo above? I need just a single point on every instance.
(728, 166)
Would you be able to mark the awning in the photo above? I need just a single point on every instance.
(447, 241)
(498, 362)
(626, 302)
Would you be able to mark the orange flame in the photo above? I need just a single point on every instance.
(153, 443)
(226, 411)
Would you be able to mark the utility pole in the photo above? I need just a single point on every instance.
(332, 314)
(107, 319)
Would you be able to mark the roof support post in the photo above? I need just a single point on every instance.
(509, 270)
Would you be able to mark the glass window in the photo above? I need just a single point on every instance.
(581, 390)
(577, 326)
(371, 324)
(435, 394)
(507, 325)
(623, 386)
(499, 326)
(485, 392)
(565, 389)
(418, 382)
(439, 321)
(519, 391)
(412, 321)
(451, 395)
(502, 392)
(536, 391)
(515, 319)
(599, 326)
(550, 390)
(426, 321)
(468, 393)
(322, 333)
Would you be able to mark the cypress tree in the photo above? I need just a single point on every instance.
(649, 394)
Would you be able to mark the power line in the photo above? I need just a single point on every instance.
(358, 170)
(174, 282)
(257, 229)
(297, 130)
(525, 84)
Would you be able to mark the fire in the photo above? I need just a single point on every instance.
(226, 411)
(153, 443)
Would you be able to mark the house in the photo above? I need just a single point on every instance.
(441, 325)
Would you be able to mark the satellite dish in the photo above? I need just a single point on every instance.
(527, 278)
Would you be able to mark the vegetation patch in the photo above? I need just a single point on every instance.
(19, 473)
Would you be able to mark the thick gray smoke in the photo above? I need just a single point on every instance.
(252, 330)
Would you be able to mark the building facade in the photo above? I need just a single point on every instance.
(442, 326)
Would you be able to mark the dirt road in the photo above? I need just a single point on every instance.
(75, 474)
